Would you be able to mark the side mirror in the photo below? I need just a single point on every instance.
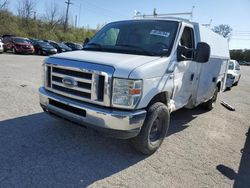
(86, 41)
(202, 52)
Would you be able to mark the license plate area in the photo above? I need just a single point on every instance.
(68, 108)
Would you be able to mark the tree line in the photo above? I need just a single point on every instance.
(240, 55)
(50, 25)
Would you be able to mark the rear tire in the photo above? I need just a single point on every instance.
(154, 129)
(209, 105)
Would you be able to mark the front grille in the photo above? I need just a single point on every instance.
(86, 86)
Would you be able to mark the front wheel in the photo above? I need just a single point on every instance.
(154, 129)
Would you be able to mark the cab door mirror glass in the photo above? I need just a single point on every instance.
(202, 52)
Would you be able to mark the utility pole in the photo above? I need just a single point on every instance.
(75, 21)
(34, 15)
(68, 2)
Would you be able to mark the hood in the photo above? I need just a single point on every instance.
(124, 64)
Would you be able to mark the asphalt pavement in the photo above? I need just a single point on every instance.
(202, 149)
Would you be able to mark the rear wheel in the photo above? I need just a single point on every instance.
(211, 103)
(154, 129)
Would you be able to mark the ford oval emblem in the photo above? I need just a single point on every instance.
(69, 82)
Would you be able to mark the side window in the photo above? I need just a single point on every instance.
(237, 67)
(187, 40)
(231, 65)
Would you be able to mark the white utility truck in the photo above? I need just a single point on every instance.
(132, 74)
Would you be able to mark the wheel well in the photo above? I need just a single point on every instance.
(218, 86)
(160, 97)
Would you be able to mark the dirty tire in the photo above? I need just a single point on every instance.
(154, 129)
(209, 105)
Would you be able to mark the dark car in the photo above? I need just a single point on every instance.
(244, 63)
(44, 48)
(18, 45)
(73, 46)
(60, 47)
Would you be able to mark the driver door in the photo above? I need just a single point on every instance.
(186, 71)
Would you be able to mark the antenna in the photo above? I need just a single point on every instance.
(192, 12)
(208, 25)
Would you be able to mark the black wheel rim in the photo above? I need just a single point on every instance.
(155, 131)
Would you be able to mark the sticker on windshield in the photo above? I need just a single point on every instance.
(160, 33)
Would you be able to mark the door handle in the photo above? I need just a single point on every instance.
(192, 77)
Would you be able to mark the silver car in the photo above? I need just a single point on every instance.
(233, 74)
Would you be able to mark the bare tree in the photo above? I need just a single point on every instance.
(224, 30)
(52, 15)
(26, 8)
(3, 4)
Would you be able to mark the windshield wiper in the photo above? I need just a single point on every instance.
(136, 48)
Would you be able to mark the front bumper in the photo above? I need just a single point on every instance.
(115, 123)
(24, 51)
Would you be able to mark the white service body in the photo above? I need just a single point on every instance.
(181, 83)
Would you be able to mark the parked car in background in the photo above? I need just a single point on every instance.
(61, 47)
(33, 41)
(18, 45)
(244, 63)
(1, 46)
(233, 74)
(74, 46)
(44, 48)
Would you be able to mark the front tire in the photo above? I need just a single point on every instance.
(154, 129)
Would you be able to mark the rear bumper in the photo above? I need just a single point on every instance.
(115, 123)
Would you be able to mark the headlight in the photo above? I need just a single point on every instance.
(126, 93)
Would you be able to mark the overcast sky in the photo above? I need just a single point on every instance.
(94, 12)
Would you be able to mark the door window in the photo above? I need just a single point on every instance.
(231, 65)
(187, 40)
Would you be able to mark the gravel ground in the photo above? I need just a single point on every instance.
(203, 149)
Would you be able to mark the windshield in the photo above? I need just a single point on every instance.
(63, 46)
(145, 37)
(20, 40)
(45, 44)
(78, 46)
